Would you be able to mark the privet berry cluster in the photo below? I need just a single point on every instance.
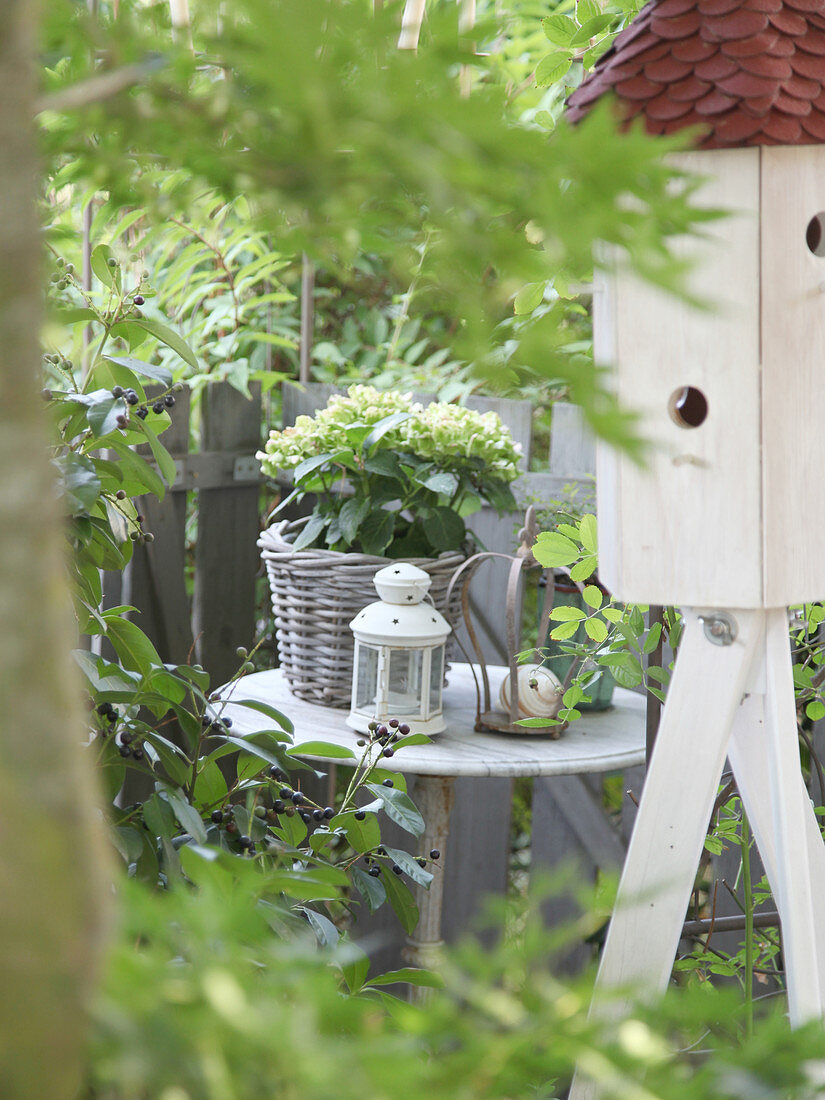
(130, 397)
(129, 743)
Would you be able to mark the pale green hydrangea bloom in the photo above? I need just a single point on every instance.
(439, 432)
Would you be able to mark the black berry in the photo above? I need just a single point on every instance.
(285, 792)
(131, 397)
(297, 798)
(157, 407)
(396, 870)
(393, 723)
(142, 412)
(329, 813)
(318, 815)
(404, 729)
(434, 853)
(278, 806)
(375, 871)
(359, 815)
(421, 861)
(382, 731)
(139, 299)
(227, 723)
(245, 841)
(306, 817)
(388, 752)
(275, 773)
(117, 391)
(169, 400)
(138, 753)
(217, 816)
(388, 783)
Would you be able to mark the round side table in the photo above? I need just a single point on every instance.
(602, 741)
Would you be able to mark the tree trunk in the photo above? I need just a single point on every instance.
(53, 870)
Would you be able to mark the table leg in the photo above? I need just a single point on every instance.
(434, 798)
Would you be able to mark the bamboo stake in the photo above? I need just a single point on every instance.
(86, 263)
(466, 22)
(181, 23)
(411, 22)
(307, 317)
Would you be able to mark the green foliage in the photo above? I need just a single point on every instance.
(221, 993)
(393, 477)
(600, 636)
(341, 156)
(157, 727)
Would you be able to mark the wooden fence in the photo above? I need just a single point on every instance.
(569, 822)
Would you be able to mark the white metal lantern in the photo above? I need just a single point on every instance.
(399, 654)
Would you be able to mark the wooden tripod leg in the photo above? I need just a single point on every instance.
(678, 795)
(798, 860)
(749, 757)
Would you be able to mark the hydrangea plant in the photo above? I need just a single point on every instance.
(393, 476)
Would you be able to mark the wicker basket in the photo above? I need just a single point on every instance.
(315, 595)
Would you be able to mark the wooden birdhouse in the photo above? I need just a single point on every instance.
(724, 515)
(724, 521)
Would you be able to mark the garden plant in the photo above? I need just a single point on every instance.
(392, 476)
(228, 972)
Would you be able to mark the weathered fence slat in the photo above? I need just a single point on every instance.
(154, 581)
(226, 555)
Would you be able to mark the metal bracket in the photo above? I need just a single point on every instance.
(246, 468)
(720, 627)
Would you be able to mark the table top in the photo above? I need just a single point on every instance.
(600, 741)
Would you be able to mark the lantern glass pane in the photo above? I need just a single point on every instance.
(436, 678)
(367, 681)
(404, 695)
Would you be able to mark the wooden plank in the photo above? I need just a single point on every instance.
(572, 444)
(478, 853)
(793, 350)
(556, 849)
(586, 817)
(154, 581)
(539, 488)
(701, 488)
(226, 557)
(216, 470)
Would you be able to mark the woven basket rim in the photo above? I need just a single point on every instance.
(273, 539)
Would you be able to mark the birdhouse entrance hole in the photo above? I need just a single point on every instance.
(688, 407)
(815, 234)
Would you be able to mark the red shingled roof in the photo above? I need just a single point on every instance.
(750, 72)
